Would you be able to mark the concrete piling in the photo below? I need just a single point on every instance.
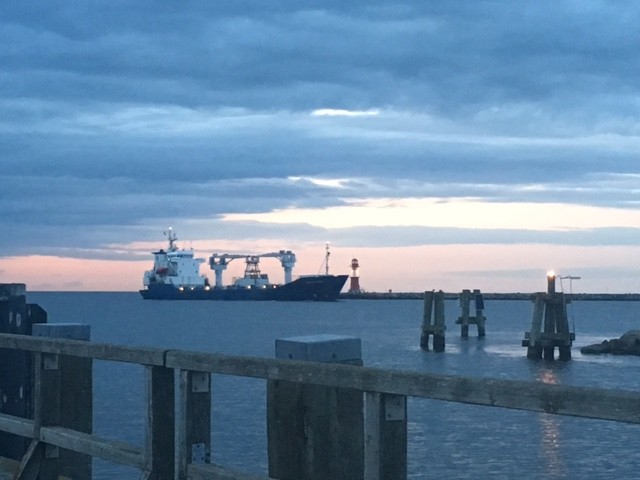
(433, 325)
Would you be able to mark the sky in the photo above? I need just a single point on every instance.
(445, 145)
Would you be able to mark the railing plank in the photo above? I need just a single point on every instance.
(616, 405)
(23, 427)
(79, 348)
(110, 450)
(216, 472)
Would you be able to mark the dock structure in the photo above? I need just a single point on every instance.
(465, 319)
(433, 321)
(549, 325)
(171, 437)
(177, 434)
(16, 317)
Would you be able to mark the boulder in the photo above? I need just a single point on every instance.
(627, 344)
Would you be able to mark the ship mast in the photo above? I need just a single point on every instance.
(326, 260)
(172, 238)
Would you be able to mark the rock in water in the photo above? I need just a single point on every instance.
(627, 344)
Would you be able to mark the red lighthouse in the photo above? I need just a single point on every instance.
(354, 287)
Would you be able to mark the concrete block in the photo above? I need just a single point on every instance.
(327, 348)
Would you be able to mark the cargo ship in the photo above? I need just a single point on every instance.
(176, 276)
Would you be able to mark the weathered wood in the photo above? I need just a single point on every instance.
(9, 468)
(47, 409)
(550, 312)
(385, 437)
(465, 319)
(479, 318)
(76, 394)
(111, 450)
(216, 472)
(389, 381)
(315, 432)
(160, 428)
(426, 320)
(78, 348)
(464, 304)
(194, 425)
(616, 405)
(532, 338)
(16, 425)
(436, 328)
(587, 402)
(16, 382)
(29, 468)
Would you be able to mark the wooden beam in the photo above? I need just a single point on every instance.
(79, 348)
(216, 472)
(16, 425)
(616, 405)
(111, 450)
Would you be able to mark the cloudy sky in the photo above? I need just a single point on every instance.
(446, 145)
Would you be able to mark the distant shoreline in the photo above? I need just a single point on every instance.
(488, 296)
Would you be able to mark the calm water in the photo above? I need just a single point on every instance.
(446, 440)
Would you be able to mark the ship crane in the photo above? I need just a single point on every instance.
(287, 260)
(219, 264)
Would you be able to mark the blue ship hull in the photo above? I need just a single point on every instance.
(323, 288)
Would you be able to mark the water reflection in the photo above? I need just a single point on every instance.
(554, 463)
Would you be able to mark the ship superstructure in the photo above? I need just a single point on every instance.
(176, 267)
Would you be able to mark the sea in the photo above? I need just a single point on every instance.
(446, 440)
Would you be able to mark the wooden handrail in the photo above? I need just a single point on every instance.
(615, 405)
(162, 364)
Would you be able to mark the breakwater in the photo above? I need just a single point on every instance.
(618, 297)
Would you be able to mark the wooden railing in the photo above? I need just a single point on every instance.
(156, 457)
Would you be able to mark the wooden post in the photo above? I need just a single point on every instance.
(426, 320)
(46, 412)
(464, 319)
(433, 301)
(160, 431)
(480, 319)
(550, 308)
(532, 338)
(73, 395)
(194, 427)
(385, 436)
(315, 432)
(16, 367)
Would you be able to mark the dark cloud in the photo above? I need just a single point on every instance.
(118, 116)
